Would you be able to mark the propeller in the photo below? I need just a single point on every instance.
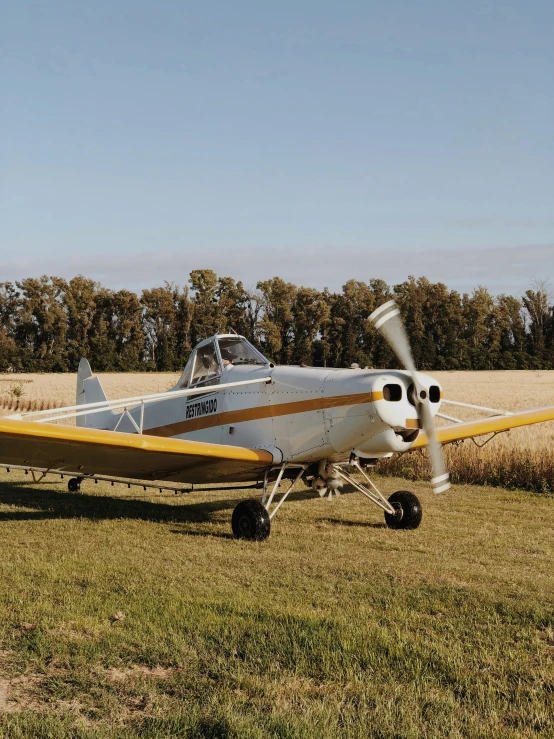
(387, 320)
(327, 482)
(328, 493)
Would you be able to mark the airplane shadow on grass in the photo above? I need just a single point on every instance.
(362, 524)
(48, 503)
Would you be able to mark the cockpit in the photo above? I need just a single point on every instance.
(212, 357)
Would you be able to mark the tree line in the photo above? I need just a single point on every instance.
(47, 324)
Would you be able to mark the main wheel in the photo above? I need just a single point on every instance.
(408, 511)
(251, 521)
(74, 485)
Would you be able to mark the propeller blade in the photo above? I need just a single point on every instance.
(441, 479)
(387, 320)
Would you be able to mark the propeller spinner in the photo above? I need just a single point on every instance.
(387, 320)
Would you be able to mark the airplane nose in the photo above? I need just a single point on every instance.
(397, 425)
(397, 408)
(371, 411)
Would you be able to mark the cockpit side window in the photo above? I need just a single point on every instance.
(185, 377)
(206, 365)
(236, 350)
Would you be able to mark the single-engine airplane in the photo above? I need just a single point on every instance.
(234, 417)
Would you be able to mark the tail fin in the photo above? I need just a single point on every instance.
(90, 390)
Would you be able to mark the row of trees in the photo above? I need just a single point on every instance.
(48, 323)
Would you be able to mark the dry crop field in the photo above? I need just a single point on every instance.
(521, 458)
(34, 391)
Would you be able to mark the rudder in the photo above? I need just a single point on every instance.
(90, 390)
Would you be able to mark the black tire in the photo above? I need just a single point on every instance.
(74, 485)
(251, 521)
(408, 511)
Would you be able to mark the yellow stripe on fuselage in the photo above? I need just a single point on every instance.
(262, 411)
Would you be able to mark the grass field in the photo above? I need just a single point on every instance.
(124, 614)
(129, 615)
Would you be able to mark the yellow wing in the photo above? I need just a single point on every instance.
(467, 429)
(134, 456)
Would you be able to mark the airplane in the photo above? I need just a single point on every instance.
(234, 417)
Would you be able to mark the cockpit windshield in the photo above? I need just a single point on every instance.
(236, 350)
(204, 368)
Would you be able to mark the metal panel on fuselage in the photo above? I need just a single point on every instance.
(245, 421)
(231, 416)
(354, 419)
(298, 415)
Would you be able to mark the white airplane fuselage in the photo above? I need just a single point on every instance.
(301, 415)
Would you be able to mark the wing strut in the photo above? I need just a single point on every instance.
(87, 409)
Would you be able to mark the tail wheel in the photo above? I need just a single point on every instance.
(74, 485)
(408, 511)
(251, 521)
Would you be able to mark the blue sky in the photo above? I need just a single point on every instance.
(317, 141)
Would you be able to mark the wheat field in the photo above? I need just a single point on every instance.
(37, 391)
(521, 458)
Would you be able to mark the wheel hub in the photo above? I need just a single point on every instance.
(244, 525)
(398, 512)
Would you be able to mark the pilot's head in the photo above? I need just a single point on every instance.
(227, 357)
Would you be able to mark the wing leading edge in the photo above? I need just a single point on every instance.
(468, 429)
(133, 456)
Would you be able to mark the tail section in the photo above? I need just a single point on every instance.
(90, 390)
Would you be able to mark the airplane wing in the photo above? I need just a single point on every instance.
(468, 429)
(133, 456)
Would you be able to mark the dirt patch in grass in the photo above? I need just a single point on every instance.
(20, 694)
(118, 674)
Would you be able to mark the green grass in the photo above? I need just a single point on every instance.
(334, 627)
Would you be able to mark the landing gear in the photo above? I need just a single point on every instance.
(74, 484)
(407, 513)
(402, 509)
(251, 521)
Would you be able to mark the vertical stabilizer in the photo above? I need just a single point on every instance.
(83, 373)
(90, 390)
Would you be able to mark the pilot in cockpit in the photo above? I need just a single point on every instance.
(226, 357)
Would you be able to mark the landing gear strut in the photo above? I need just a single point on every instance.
(402, 509)
(252, 520)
